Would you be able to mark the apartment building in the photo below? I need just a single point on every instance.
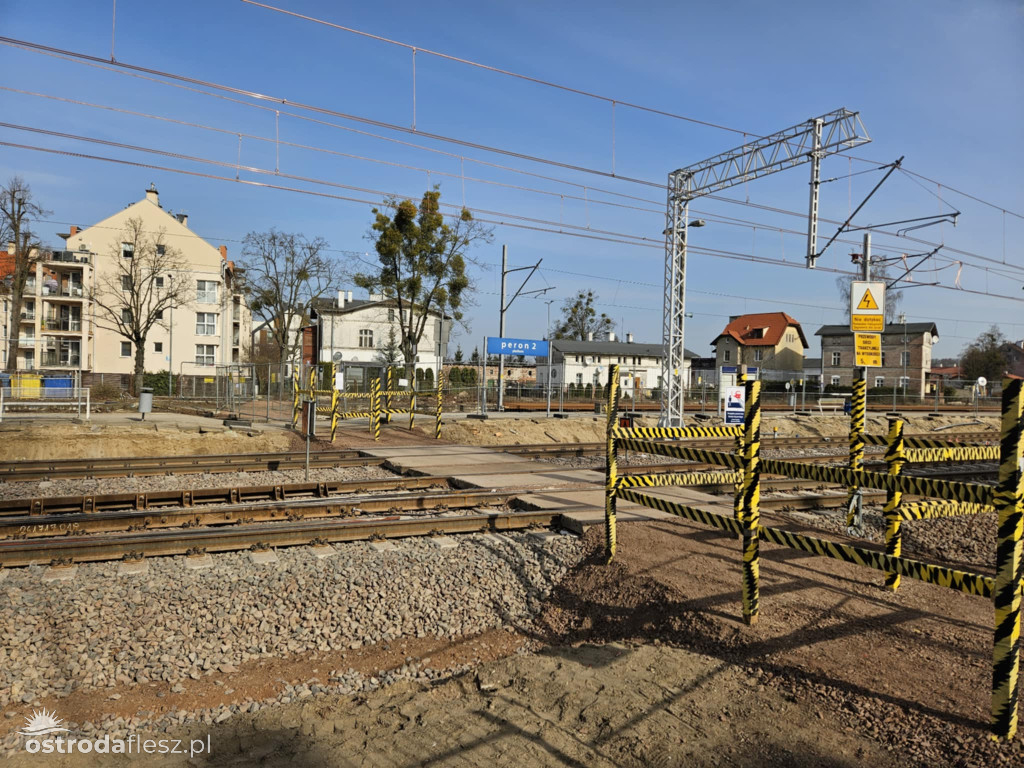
(906, 356)
(771, 341)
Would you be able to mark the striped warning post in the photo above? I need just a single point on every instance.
(748, 499)
(412, 411)
(295, 404)
(918, 486)
(684, 478)
(437, 418)
(1009, 502)
(961, 581)
(926, 510)
(334, 412)
(387, 397)
(612, 464)
(893, 498)
(963, 453)
(375, 409)
(858, 411)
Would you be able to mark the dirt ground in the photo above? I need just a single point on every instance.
(646, 662)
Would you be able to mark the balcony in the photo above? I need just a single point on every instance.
(68, 257)
(63, 324)
(64, 292)
(53, 360)
(28, 317)
(27, 341)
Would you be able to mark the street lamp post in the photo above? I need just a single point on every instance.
(547, 336)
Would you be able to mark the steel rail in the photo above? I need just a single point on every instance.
(50, 526)
(17, 553)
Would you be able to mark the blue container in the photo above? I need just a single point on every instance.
(58, 388)
(5, 384)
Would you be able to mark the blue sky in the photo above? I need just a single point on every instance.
(938, 82)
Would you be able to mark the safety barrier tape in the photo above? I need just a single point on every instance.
(678, 451)
(961, 581)
(915, 441)
(677, 432)
(713, 519)
(918, 486)
(686, 478)
(1009, 502)
(925, 510)
(963, 453)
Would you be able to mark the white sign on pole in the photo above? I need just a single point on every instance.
(735, 400)
(867, 306)
(339, 381)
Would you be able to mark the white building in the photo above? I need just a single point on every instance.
(355, 333)
(587, 362)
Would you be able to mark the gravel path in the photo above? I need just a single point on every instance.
(100, 630)
(149, 483)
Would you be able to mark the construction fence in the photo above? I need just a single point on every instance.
(942, 498)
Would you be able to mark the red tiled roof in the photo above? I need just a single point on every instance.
(6, 263)
(761, 330)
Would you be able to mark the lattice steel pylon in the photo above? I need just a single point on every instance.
(807, 142)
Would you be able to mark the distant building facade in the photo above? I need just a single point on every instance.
(906, 356)
(771, 341)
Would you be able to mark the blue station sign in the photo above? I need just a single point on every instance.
(529, 347)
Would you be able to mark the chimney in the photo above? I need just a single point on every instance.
(182, 218)
(152, 195)
(341, 299)
(74, 231)
(224, 252)
(350, 297)
(590, 335)
(629, 338)
(611, 335)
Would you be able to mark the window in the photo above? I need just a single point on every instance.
(206, 323)
(126, 316)
(790, 337)
(159, 281)
(905, 358)
(577, 358)
(158, 346)
(159, 314)
(727, 355)
(127, 250)
(161, 249)
(126, 282)
(837, 358)
(758, 355)
(904, 382)
(206, 354)
(835, 381)
(126, 349)
(391, 315)
(579, 378)
(879, 381)
(206, 291)
(883, 358)
(366, 338)
(597, 359)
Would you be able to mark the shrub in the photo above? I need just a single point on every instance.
(588, 391)
(105, 391)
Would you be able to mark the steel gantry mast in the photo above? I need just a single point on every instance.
(807, 142)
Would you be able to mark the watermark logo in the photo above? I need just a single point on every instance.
(45, 732)
(42, 723)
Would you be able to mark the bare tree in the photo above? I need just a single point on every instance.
(422, 263)
(285, 274)
(17, 210)
(148, 280)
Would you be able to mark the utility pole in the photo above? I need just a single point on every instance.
(547, 337)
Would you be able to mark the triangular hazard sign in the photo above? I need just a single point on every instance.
(867, 301)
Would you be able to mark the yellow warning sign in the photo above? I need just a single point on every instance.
(867, 306)
(867, 350)
(867, 301)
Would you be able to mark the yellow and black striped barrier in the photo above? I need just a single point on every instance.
(676, 451)
(916, 441)
(375, 409)
(713, 519)
(676, 432)
(295, 404)
(963, 453)
(748, 499)
(894, 457)
(927, 510)
(858, 412)
(440, 392)
(673, 478)
(1009, 503)
(611, 486)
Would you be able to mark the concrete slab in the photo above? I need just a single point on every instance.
(556, 479)
(60, 573)
(443, 542)
(263, 557)
(384, 546)
(322, 551)
(133, 568)
(543, 536)
(493, 539)
(198, 562)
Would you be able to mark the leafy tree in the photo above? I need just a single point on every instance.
(422, 263)
(148, 280)
(17, 211)
(285, 273)
(879, 272)
(428, 378)
(984, 356)
(580, 319)
(455, 377)
(390, 353)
